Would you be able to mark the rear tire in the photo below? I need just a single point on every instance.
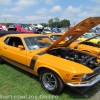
(50, 81)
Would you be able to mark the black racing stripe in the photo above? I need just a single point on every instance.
(15, 61)
(33, 61)
(32, 64)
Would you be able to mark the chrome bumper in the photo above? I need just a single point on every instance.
(97, 79)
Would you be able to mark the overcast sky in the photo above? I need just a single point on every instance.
(40, 11)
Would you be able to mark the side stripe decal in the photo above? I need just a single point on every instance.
(32, 63)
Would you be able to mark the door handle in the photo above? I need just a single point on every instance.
(5, 47)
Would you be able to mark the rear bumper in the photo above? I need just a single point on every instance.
(97, 79)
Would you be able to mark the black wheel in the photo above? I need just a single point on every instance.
(50, 81)
(1, 60)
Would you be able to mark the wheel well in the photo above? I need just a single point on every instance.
(59, 82)
(41, 68)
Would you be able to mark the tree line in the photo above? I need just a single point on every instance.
(56, 22)
(53, 22)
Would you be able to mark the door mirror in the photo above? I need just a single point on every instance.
(21, 47)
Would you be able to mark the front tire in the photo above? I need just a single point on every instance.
(50, 81)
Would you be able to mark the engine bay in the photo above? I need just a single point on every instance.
(79, 57)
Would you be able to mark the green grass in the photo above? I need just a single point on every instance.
(16, 84)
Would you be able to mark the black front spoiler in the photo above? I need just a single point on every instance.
(81, 90)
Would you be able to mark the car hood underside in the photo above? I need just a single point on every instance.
(75, 32)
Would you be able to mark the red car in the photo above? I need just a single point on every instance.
(20, 28)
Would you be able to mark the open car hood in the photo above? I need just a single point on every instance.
(75, 32)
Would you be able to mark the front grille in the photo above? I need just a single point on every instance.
(92, 75)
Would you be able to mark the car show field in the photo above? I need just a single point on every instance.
(50, 50)
(20, 85)
(63, 71)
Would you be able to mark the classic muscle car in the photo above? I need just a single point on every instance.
(86, 36)
(88, 46)
(55, 36)
(54, 63)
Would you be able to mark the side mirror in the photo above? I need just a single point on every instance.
(21, 47)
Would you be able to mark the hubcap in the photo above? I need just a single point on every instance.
(49, 81)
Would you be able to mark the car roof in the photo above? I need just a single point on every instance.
(55, 34)
(24, 35)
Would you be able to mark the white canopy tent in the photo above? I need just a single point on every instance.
(40, 26)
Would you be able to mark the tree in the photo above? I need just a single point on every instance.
(44, 24)
(56, 22)
(50, 22)
(65, 23)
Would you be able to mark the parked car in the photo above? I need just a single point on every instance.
(3, 27)
(54, 63)
(55, 36)
(87, 46)
(56, 30)
(86, 36)
(46, 31)
(20, 28)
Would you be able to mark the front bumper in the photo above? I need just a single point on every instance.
(97, 79)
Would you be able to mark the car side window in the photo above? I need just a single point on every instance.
(13, 41)
(52, 37)
(6, 40)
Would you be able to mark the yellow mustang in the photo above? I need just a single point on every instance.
(83, 44)
(86, 36)
(54, 63)
(55, 36)
(87, 46)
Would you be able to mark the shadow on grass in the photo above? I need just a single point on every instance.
(23, 71)
(88, 92)
(71, 92)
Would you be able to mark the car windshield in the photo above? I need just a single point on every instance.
(96, 37)
(55, 37)
(86, 36)
(37, 42)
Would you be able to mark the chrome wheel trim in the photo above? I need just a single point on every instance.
(49, 81)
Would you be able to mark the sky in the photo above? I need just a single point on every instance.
(40, 11)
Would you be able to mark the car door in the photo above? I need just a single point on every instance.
(12, 52)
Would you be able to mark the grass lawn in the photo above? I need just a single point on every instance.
(16, 84)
